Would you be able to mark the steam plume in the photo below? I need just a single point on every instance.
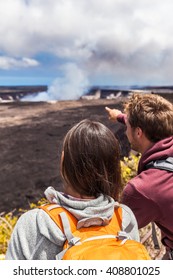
(70, 86)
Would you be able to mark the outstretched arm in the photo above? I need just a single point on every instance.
(116, 115)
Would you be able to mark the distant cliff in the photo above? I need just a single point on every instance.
(17, 92)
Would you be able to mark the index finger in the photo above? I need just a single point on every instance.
(108, 109)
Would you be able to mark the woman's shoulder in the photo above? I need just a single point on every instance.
(28, 216)
(129, 223)
(127, 213)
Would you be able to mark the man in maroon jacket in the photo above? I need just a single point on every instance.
(149, 128)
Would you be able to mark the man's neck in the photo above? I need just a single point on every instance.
(146, 145)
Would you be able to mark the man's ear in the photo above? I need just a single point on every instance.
(139, 132)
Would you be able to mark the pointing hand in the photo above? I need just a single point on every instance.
(113, 113)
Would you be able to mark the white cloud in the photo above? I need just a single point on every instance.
(54, 25)
(128, 38)
(7, 63)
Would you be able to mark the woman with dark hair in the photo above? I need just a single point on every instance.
(91, 161)
(91, 173)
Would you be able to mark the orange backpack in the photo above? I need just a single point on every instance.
(95, 242)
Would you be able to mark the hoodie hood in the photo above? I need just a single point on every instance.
(160, 150)
(96, 211)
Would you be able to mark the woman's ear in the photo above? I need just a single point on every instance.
(61, 162)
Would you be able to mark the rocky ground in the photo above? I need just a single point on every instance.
(31, 135)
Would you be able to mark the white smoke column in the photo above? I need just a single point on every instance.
(70, 86)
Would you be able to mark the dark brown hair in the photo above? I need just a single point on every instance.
(91, 162)
(152, 113)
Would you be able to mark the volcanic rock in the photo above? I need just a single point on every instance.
(31, 141)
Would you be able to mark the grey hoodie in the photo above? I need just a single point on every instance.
(37, 237)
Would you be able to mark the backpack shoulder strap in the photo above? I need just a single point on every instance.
(164, 164)
(54, 210)
(116, 220)
(65, 221)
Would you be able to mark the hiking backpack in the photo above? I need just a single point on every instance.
(107, 242)
(163, 164)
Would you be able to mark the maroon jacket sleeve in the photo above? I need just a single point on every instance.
(121, 118)
(144, 209)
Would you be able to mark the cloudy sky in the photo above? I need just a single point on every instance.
(90, 42)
